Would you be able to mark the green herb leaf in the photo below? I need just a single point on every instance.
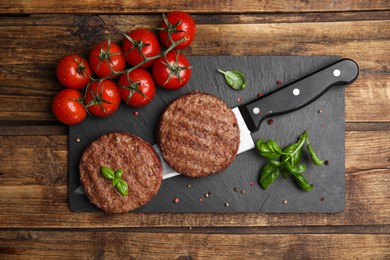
(302, 182)
(115, 181)
(270, 150)
(115, 176)
(234, 79)
(295, 169)
(283, 171)
(107, 172)
(269, 173)
(118, 173)
(122, 187)
(293, 154)
(314, 157)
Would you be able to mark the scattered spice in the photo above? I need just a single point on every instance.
(322, 199)
(207, 195)
(77, 140)
(136, 113)
(270, 121)
(327, 162)
(239, 99)
(252, 183)
(279, 82)
(236, 189)
(285, 201)
(226, 204)
(322, 125)
(201, 199)
(176, 200)
(243, 192)
(260, 95)
(320, 111)
(188, 185)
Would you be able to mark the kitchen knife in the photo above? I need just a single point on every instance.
(285, 99)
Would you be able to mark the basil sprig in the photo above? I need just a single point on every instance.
(116, 177)
(289, 163)
(234, 79)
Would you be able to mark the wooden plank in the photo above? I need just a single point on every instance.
(146, 20)
(27, 244)
(43, 201)
(28, 80)
(137, 6)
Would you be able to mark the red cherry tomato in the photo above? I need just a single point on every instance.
(138, 88)
(106, 57)
(102, 99)
(144, 40)
(67, 108)
(73, 71)
(172, 71)
(180, 24)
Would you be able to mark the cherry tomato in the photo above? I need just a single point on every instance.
(172, 71)
(102, 99)
(179, 24)
(141, 40)
(138, 88)
(73, 71)
(67, 108)
(106, 57)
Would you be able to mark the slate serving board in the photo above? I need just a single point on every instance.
(238, 185)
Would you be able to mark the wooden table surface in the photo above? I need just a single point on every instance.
(35, 219)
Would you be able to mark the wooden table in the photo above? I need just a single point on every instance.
(35, 219)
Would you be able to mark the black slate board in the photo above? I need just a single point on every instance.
(326, 131)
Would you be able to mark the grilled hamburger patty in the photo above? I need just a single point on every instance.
(141, 166)
(198, 135)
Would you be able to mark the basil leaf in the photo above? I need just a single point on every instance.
(293, 153)
(269, 173)
(270, 150)
(118, 173)
(283, 171)
(295, 169)
(107, 172)
(115, 181)
(314, 157)
(234, 79)
(122, 187)
(302, 182)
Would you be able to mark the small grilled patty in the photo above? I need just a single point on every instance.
(141, 167)
(198, 135)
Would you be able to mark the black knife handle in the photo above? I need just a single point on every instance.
(298, 93)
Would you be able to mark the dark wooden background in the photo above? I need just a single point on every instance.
(35, 220)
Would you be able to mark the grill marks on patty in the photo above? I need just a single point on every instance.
(198, 135)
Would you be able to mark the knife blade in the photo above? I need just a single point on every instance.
(286, 99)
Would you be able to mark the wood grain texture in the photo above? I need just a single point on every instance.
(134, 245)
(120, 6)
(43, 201)
(28, 81)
